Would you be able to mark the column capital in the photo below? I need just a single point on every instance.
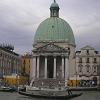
(62, 56)
(37, 55)
(45, 56)
(66, 56)
(54, 56)
(33, 56)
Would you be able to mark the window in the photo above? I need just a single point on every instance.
(29, 68)
(88, 68)
(94, 68)
(24, 65)
(95, 60)
(24, 62)
(96, 52)
(54, 13)
(88, 60)
(80, 68)
(87, 51)
(1, 54)
(80, 60)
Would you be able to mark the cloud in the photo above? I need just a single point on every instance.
(19, 20)
(84, 18)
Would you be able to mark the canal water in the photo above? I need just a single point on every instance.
(15, 96)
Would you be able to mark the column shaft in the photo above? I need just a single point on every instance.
(45, 67)
(62, 67)
(38, 67)
(66, 70)
(33, 69)
(54, 73)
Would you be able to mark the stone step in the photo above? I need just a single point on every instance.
(49, 83)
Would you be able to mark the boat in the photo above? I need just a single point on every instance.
(6, 89)
(49, 94)
(21, 88)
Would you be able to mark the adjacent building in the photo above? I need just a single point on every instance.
(87, 62)
(9, 61)
(10, 65)
(26, 65)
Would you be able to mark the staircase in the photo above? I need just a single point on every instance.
(49, 83)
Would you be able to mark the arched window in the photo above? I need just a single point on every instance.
(80, 60)
(95, 60)
(0, 54)
(80, 67)
(87, 51)
(94, 68)
(88, 60)
(88, 68)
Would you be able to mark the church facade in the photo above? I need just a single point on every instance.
(54, 51)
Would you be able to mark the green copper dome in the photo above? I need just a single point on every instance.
(54, 29)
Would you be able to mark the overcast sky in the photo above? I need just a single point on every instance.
(19, 20)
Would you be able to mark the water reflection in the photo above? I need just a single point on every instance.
(93, 95)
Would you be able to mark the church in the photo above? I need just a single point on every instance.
(54, 51)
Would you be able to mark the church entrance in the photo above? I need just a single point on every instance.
(50, 66)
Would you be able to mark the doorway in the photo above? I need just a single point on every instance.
(50, 66)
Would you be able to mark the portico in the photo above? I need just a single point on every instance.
(51, 62)
(53, 69)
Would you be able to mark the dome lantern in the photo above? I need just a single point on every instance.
(54, 9)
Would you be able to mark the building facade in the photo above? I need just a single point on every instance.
(10, 62)
(26, 64)
(87, 61)
(54, 51)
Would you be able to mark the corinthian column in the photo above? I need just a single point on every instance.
(45, 66)
(62, 67)
(66, 70)
(37, 66)
(54, 73)
(33, 69)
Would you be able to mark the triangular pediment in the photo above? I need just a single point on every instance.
(50, 48)
(87, 47)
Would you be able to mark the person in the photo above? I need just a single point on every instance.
(69, 91)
